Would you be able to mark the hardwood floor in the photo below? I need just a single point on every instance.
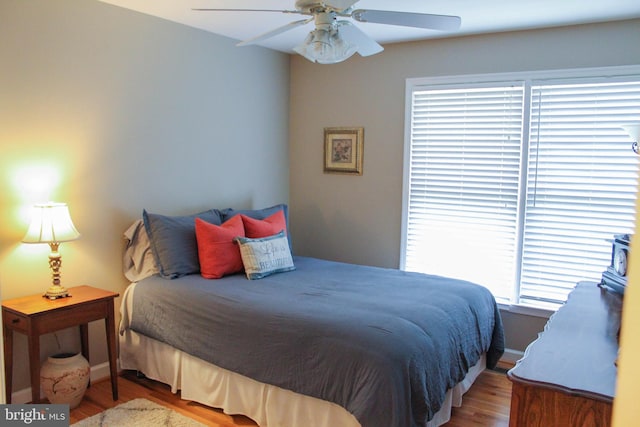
(486, 404)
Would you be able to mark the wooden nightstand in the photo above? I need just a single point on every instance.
(35, 316)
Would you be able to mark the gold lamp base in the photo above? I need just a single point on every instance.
(56, 291)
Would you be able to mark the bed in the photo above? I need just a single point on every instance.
(320, 344)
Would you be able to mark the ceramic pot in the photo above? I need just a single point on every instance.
(64, 378)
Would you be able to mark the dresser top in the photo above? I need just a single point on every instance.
(577, 351)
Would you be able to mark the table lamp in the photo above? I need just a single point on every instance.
(51, 223)
(634, 133)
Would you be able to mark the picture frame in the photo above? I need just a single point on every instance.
(343, 150)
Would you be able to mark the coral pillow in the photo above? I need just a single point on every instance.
(218, 253)
(269, 226)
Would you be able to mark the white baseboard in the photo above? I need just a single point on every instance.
(101, 371)
(21, 396)
(511, 356)
(98, 372)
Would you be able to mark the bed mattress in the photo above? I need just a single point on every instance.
(384, 344)
(267, 405)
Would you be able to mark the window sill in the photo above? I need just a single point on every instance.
(527, 310)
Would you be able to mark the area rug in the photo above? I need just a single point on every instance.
(138, 413)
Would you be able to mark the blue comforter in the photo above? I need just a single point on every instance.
(382, 343)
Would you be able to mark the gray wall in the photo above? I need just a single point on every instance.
(114, 111)
(358, 218)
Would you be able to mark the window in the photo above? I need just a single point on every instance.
(517, 184)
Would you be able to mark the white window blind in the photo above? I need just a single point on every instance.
(464, 174)
(519, 185)
(581, 188)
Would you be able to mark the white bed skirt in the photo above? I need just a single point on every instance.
(267, 405)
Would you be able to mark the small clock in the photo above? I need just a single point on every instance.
(620, 261)
(615, 276)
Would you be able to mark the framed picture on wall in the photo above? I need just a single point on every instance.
(343, 150)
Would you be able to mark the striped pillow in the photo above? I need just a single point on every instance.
(265, 255)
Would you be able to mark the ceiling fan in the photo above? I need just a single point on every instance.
(334, 40)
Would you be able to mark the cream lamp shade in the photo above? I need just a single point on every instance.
(51, 223)
(634, 133)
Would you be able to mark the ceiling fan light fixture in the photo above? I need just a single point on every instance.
(335, 40)
(325, 46)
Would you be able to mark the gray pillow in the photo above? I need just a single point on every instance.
(255, 213)
(173, 241)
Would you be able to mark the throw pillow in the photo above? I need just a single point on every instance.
(255, 213)
(264, 227)
(173, 241)
(265, 255)
(218, 253)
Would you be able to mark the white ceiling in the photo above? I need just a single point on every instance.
(477, 16)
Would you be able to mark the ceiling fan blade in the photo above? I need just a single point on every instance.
(408, 19)
(341, 4)
(272, 33)
(245, 10)
(366, 45)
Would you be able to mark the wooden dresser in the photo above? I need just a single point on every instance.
(567, 376)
